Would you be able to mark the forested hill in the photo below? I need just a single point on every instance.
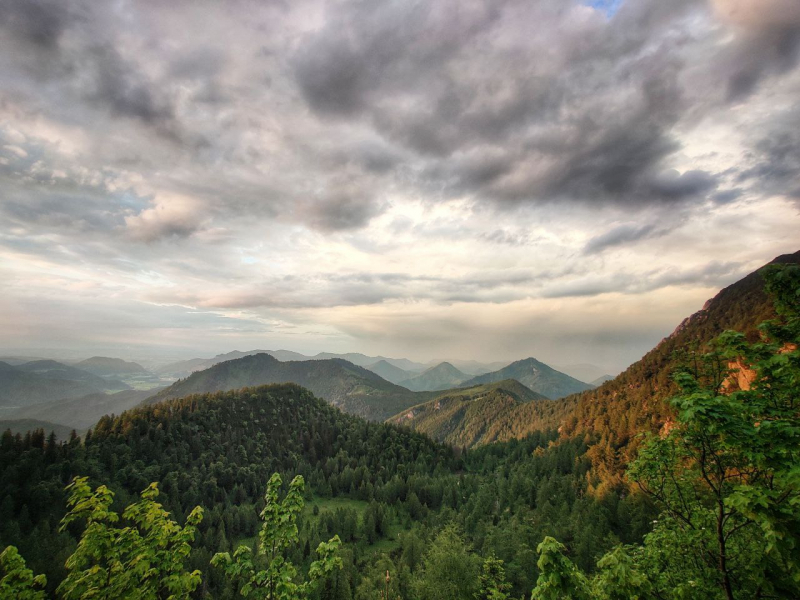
(535, 375)
(486, 413)
(635, 401)
(354, 389)
(216, 450)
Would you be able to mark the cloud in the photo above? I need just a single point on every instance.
(623, 234)
(310, 162)
(170, 217)
(776, 159)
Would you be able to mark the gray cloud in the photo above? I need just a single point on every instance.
(776, 158)
(623, 234)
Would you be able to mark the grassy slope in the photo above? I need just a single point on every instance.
(484, 413)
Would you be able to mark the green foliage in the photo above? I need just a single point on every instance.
(493, 584)
(449, 570)
(728, 475)
(278, 532)
(143, 560)
(559, 578)
(619, 577)
(17, 580)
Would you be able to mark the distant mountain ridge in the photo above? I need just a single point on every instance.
(22, 426)
(186, 367)
(52, 369)
(354, 389)
(21, 388)
(389, 372)
(104, 366)
(82, 412)
(535, 375)
(441, 377)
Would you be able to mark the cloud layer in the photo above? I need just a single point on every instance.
(291, 170)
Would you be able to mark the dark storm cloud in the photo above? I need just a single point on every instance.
(82, 53)
(537, 118)
(39, 22)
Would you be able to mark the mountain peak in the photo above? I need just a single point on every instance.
(440, 377)
(537, 376)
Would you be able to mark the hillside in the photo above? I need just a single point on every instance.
(83, 412)
(20, 388)
(22, 426)
(107, 367)
(389, 372)
(353, 389)
(535, 375)
(52, 369)
(616, 412)
(492, 412)
(441, 377)
(601, 380)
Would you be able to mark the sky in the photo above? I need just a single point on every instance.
(473, 179)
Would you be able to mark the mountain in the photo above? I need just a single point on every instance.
(635, 401)
(52, 369)
(23, 426)
(389, 372)
(583, 371)
(601, 380)
(352, 388)
(482, 414)
(83, 412)
(537, 376)
(441, 377)
(20, 388)
(104, 366)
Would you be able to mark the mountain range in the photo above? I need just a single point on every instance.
(44, 383)
(82, 412)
